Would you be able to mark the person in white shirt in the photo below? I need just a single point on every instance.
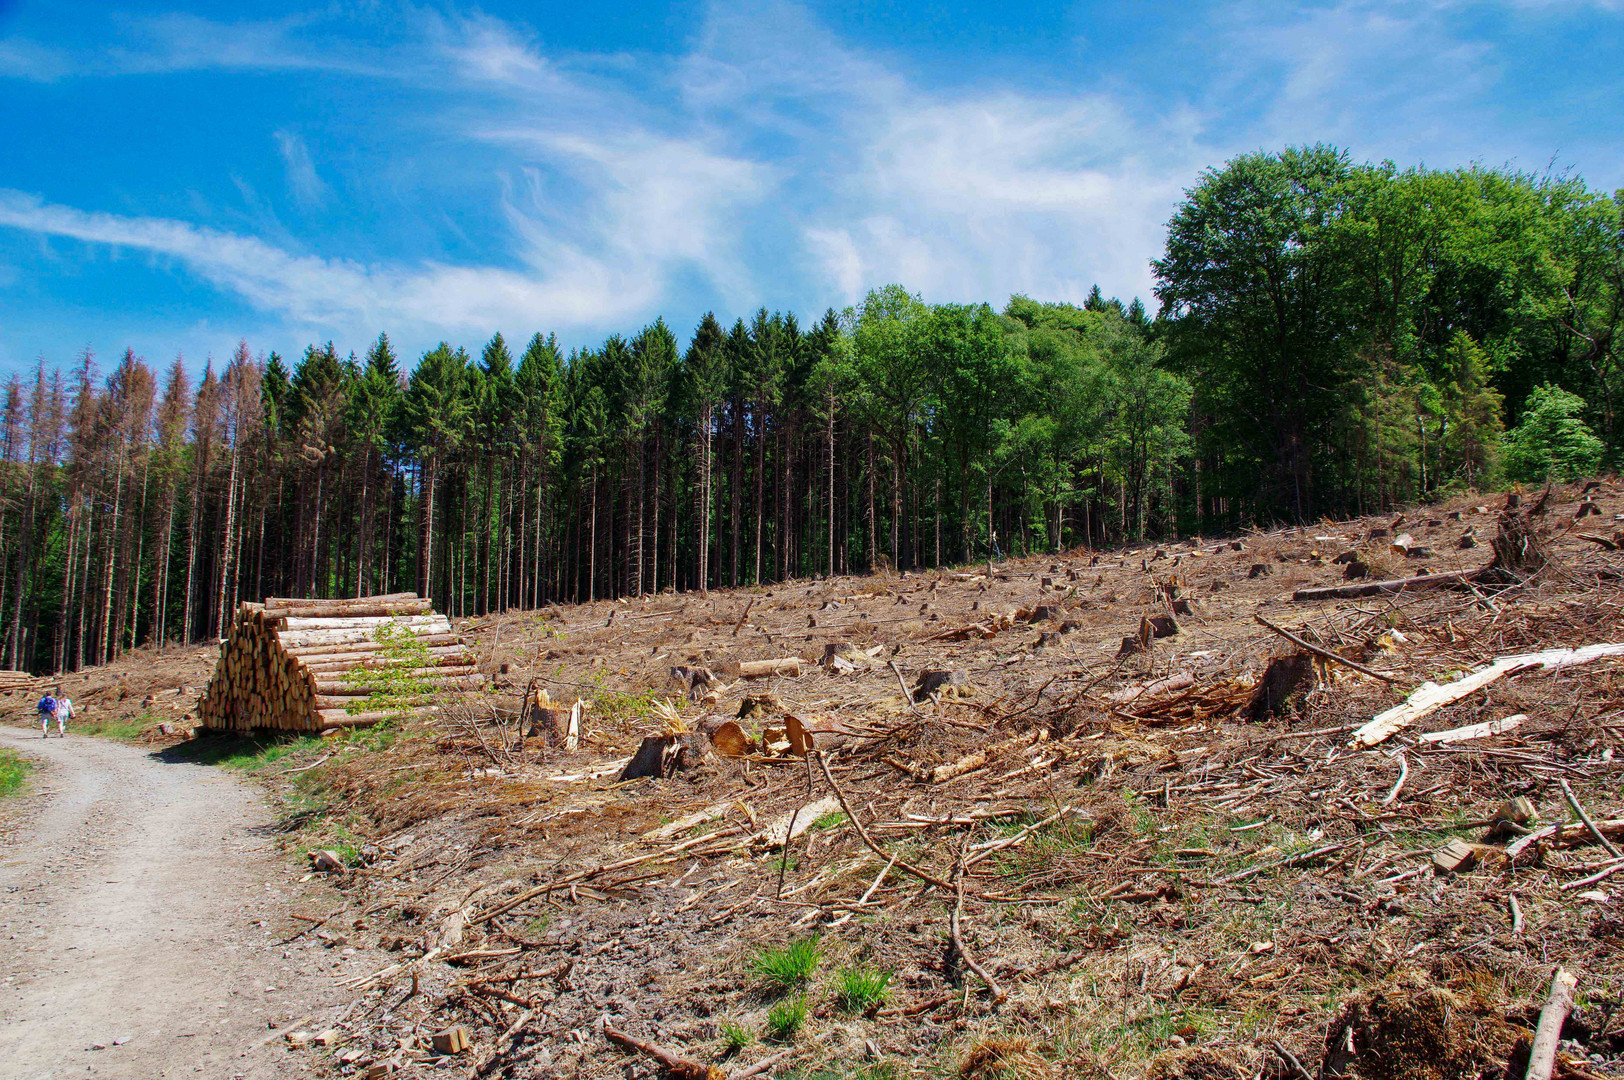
(64, 712)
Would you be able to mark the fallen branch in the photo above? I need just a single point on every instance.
(1290, 860)
(998, 994)
(1374, 588)
(1563, 835)
(1403, 775)
(1325, 654)
(675, 1065)
(504, 1044)
(1600, 875)
(1475, 731)
(971, 762)
(1573, 801)
(1429, 696)
(907, 695)
(992, 847)
(761, 1066)
(862, 833)
(1542, 1056)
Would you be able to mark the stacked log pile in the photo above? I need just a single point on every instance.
(17, 680)
(310, 665)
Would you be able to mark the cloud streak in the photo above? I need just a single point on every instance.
(306, 185)
(318, 291)
(767, 161)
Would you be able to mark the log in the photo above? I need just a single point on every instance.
(341, 718)
(1542, 1056)
(1429, 697)
(350, 609)
(788, 666)
(288, 672)
(297, 601)
(362, 643)
(294, 624)
(1375, 588)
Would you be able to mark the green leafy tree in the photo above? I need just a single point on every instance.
(1474, 413)
(1551, 440)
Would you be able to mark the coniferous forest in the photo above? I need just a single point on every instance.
(1329, 337)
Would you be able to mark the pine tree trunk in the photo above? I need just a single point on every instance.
(140, 547)
(228, 532)
(873, 526)
(69, 566)
(830, 429)
(592, 544)
(654, 527)
(425, 540)
(25, 550)
(84, 596)
(733, 496)
(761, 476)
(636, 583)
(112, 560)
(704, 498)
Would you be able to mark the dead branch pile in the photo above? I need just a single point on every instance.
(1177, 863)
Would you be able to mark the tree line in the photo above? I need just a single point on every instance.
(1331, 338)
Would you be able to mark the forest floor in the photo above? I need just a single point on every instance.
(1092, 861)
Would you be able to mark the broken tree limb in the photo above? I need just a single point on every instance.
(862, 833)
(991, 847)
(1429, 696)
(1374, 588)
(998, 994)
(1542, 1056)
(971, 762)
(761, 1066)
(503, 1044)
(907, 695)
(1476, 731)
(1563, 835)
(788, 666)
(1326, 654)
(1584, 818)
(675, 1065)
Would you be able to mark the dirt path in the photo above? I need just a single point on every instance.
(140, 903)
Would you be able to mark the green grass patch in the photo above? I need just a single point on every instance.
(858, 989)
(786, 1018)
(1147, 1035)
(248, 753)
(788, 967)
(735, 1037)
(832, 820)
(13, 773)
(879, 1070)
(111, 729)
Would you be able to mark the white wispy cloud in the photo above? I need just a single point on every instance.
(306, 184)
(558, 285)
(770, 160)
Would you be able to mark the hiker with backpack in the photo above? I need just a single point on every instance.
(52, 709)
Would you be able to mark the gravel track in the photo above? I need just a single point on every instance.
(141, 902)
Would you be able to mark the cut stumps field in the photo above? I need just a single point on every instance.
(1340, 800)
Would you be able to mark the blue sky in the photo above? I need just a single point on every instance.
(174, 179)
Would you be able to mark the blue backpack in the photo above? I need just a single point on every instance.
(47, 704)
